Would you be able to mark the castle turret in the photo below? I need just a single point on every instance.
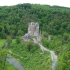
(33, 31)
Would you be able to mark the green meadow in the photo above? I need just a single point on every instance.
(2, 41)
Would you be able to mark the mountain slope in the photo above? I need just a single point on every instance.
(52, 19)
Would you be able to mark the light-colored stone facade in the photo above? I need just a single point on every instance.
(33, 31)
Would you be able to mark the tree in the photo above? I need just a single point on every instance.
(9, 39)
(3, 56)
(20, 33)
(66, 37)
(18, 40)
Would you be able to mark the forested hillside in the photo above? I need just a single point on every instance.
(54, 23)
(14, 20)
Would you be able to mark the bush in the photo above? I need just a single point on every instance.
(9, 39)
(18, 40)
(31, 47)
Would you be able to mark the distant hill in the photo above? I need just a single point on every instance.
(52, 19)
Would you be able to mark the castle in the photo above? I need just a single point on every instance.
(33, 31)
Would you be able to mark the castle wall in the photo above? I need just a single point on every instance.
(33, 31)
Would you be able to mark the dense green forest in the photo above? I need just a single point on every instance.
(54, 21)
(14, 20)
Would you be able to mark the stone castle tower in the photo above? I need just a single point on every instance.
(33, 31)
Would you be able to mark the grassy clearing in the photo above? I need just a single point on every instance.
(2, 41)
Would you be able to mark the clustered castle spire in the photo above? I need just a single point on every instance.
(33, 31)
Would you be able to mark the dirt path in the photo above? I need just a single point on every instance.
(53, 55)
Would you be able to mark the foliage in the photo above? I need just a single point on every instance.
(10, 67)
(18, 40)
(52, 19)
(3, 56)
(66, 38)
(30, 56)
(2, 42)
(64, 59)
(4, 65)
(62, 49)
(9, 39)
